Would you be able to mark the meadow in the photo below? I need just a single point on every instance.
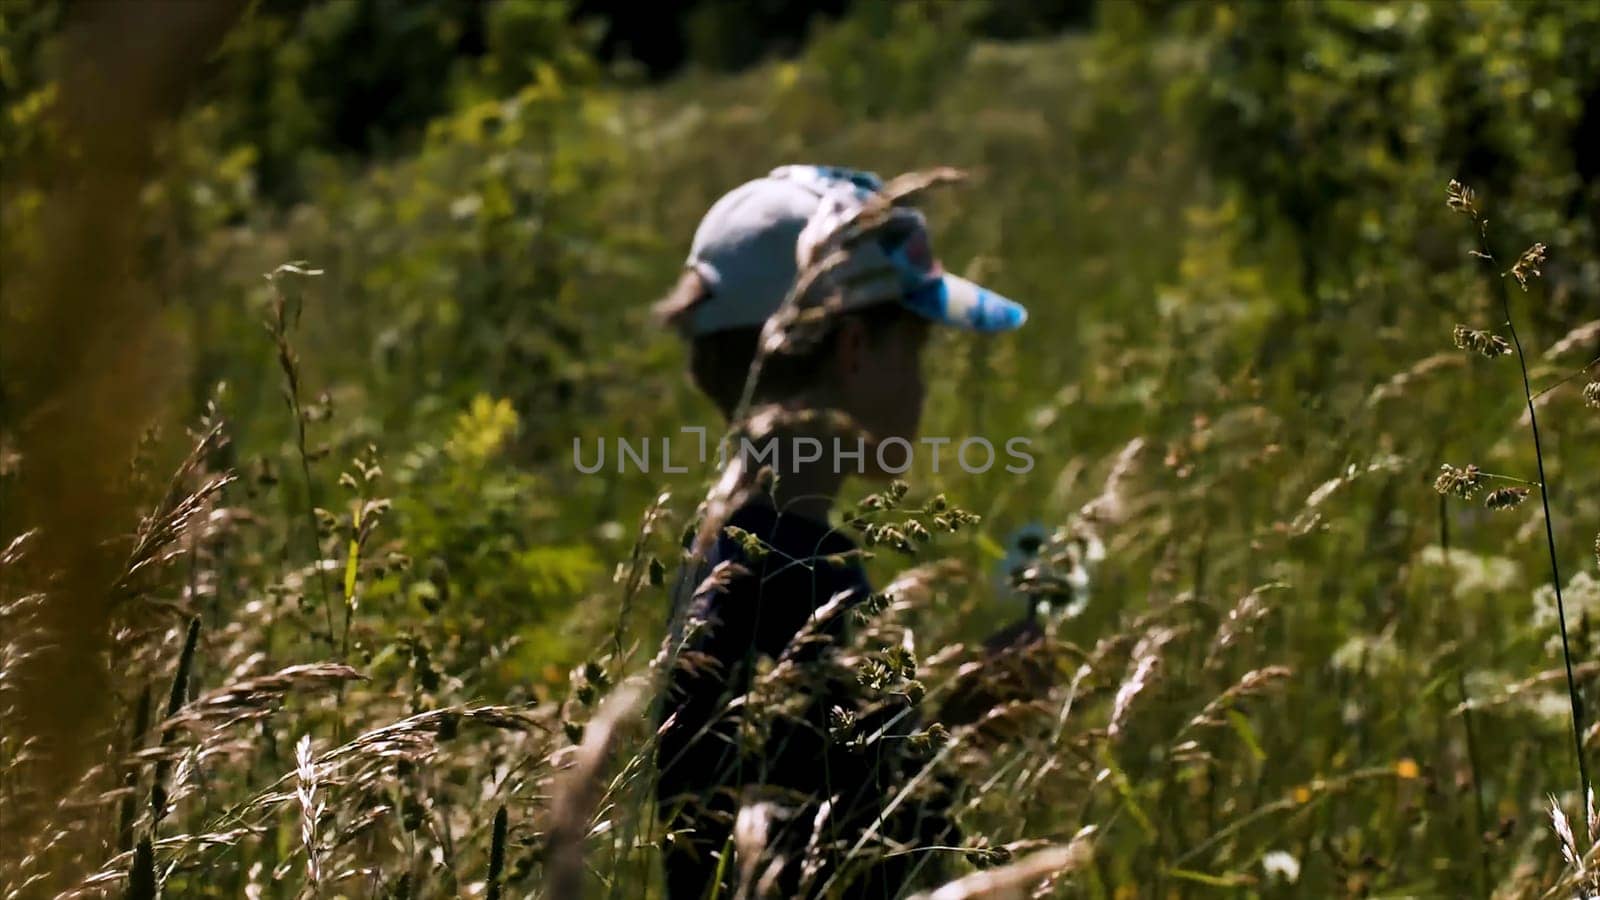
(303, 594)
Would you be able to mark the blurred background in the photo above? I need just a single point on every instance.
(1228, 220)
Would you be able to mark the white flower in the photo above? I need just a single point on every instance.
(1369, 652)
(1474, 574)
(1581, 597)
(1280, 864)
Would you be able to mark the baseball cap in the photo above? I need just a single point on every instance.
(754, 241)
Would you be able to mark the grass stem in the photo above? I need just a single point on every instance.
(1550, 544)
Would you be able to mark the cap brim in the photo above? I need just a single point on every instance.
(953, 300)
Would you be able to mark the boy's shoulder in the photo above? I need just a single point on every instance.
(792, 566)
(796, 538)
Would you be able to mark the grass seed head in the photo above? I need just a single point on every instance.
(1461, 198)
(1528, 265)
(1505, 498)
(1486, 343)
(1464, 482)
(310, 806)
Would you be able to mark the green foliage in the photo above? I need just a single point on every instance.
(887, 57)
(301, 81)
(27, 47)
(1320, 114)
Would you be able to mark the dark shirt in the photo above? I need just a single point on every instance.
(786, 747)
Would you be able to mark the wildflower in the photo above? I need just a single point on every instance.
(483, 430)
(1581, 598)
(1591, 394)
(1506, 498)
(1463, 483)
(1407, 769)
(1486, 343)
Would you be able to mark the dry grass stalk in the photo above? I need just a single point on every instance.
(159, 538)
(1592, 815)
(577, 791)
(915, 585)
(1254, 683)
(1582, 336)
(1581, 672)
(176, 848)
(1581, 878)
(752, 830)
(1012, 882)
(1402, 381)
(17, 548)
(1109, 507)
(311, 810)
(374, 754)
(254, 698)
(1146, 662)
(1239, 624)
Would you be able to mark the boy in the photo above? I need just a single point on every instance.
(803, 794)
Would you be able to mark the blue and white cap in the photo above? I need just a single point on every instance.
(754, 241)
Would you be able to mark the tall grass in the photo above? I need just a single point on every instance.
(1192, 740)
(1526, 268)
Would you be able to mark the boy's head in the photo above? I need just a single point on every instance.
(882, 294)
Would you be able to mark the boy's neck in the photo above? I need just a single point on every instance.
(807, 491)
